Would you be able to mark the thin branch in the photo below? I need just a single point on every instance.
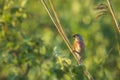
(113, 15)
(59, 27)
(116, 24)
(88, 75)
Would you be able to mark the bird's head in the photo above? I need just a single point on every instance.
(78, 36)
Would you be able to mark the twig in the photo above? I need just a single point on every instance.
(116, 24)
(59, 27)
(113, 15)
(88, 75)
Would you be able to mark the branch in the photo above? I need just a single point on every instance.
(88, 75)
(113, 15)
(58, 25)
(116, 24)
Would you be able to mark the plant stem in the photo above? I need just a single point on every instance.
(113, 15)
(116, 24)
(59, 26)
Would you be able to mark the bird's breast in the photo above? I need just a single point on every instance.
(77, 46)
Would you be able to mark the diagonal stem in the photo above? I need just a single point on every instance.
(116, 24)
(59, 27)
(113, 15)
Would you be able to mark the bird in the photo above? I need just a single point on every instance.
(78, 47)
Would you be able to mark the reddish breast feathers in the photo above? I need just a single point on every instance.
(77, 46)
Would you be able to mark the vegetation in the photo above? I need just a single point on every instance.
(32, 49)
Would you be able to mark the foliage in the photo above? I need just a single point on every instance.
(32, 49)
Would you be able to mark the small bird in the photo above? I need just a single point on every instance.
(78, 46)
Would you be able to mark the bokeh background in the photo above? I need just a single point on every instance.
(32, 49)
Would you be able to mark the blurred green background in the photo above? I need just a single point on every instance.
(32, 49)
